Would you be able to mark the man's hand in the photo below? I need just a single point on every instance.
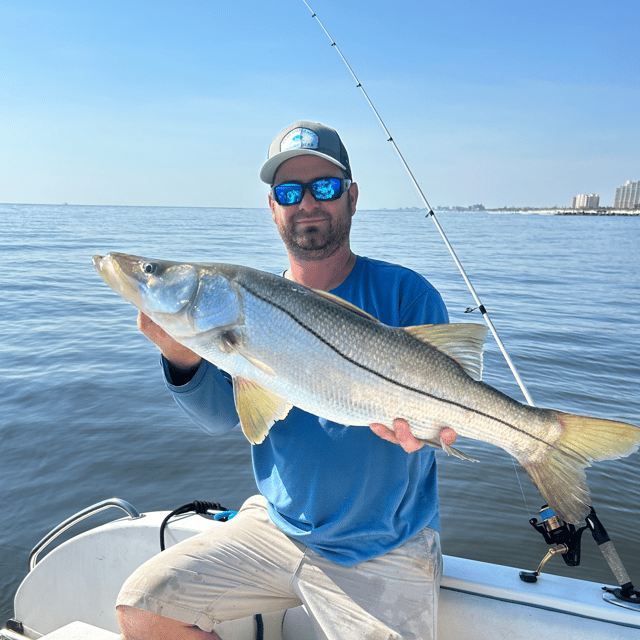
(401, 434)
(180, 357)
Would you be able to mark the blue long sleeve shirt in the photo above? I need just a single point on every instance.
(342, 491)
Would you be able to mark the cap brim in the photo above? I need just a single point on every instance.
(269, 168)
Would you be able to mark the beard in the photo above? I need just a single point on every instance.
(316, 242)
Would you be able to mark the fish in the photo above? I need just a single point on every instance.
(287, 345)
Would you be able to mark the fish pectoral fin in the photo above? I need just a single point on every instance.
(258, 409)
(461, 341)
(343, 303)
(438, 444)
(229, 342)
(260, 365)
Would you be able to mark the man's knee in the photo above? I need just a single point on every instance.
(137, 624)
(131, 621)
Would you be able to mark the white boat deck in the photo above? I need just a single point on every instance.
(478, 601)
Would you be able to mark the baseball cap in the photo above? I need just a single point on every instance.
(305, 138)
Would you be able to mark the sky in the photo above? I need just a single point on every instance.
(174, 103)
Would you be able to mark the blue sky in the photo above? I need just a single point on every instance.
(144, 102)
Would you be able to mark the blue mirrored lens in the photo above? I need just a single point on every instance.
(288, 193)
(322, 189)
(326, 188)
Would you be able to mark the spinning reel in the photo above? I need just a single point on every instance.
(566, 540)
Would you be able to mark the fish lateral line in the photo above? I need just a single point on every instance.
(349, 359)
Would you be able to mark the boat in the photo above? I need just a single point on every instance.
(70, 593)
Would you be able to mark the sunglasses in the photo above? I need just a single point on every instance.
(323, 189)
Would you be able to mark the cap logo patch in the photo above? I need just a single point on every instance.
(299, 139)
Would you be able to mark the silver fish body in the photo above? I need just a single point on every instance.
(287, 345)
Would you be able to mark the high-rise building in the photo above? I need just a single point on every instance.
(628, 195)
(582, 201)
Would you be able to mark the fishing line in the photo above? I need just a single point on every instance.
(432, 215)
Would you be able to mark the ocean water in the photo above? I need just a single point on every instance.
(84, 414)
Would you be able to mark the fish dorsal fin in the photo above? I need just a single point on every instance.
(461, 341)
(343, 303)
(257, 408)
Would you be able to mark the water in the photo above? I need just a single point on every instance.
(84, 414)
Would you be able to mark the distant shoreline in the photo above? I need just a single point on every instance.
(556, 211)
(561, 211)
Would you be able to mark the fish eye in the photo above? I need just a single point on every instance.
(149, 267)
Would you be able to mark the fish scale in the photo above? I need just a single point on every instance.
(357, 397)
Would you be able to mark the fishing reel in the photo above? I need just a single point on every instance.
(565, 540)
(564, 537)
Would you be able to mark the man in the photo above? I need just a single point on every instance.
(347, 520)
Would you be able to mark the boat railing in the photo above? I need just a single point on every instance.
(79, 517)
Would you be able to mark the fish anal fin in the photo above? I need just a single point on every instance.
(258, 409)
(457, 453)
(463, 342)
(343, 303)
(438, 444)
(560, 474)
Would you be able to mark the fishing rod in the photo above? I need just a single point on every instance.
(555, 530)
(432, 215)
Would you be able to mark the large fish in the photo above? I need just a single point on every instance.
(287, 345)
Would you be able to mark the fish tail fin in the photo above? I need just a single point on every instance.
(560, 475)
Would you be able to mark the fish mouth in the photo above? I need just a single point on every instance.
(151, 285)
(103, 265)
(120, 265)
(111, 272)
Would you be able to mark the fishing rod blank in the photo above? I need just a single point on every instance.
(432, 215)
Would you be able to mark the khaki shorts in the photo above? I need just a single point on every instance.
(249, 566)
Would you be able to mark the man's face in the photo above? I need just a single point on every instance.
(312, 229)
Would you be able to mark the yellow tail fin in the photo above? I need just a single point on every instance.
(560, 477)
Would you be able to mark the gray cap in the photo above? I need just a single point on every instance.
(305, 138)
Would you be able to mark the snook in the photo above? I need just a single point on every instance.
(287, 345)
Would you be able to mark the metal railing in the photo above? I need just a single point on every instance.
(78, 517)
